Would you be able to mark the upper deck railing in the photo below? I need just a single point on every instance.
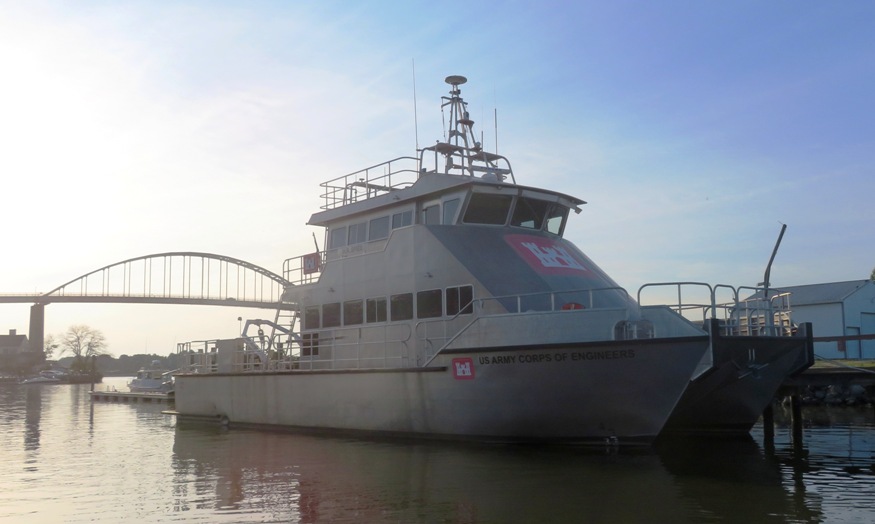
(404, 171)
(369, 182)
(466, 161)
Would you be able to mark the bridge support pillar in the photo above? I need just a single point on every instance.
(36, 333)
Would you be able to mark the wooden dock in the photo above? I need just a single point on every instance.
(131, 397)
(831, 374)
(824, 374)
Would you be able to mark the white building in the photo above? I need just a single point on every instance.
(13, 344)
(837, 309)
(15, 354)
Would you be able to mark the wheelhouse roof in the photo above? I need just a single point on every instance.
(428, 185)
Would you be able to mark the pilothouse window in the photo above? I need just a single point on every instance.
(337, 238)
(529, 213)
(487, 208)
(556, 219)
(402, 219)
(450, 207)
(357, 233)
(379, 228)
(431, 214)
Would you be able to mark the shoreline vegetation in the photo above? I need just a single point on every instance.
(124, 365)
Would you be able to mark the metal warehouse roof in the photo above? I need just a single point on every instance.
(828, 293)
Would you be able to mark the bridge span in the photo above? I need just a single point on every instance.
(184, 277)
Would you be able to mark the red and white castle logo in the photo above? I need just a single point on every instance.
(463, 368)
(545, 255)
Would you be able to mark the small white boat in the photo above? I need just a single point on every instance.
(45, 377)
(153, 380)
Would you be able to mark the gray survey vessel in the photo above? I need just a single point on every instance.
(446, 303)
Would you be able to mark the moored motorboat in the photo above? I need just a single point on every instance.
(44, 377)
(152, 380)
(447, 303)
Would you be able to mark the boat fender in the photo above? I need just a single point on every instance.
(572, 305)
(223, 421)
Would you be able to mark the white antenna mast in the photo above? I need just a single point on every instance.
(415, 120)
(495, 117)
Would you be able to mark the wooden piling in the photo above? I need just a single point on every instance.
(796, 407)
(769, 425)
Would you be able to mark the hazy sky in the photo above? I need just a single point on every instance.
(694, 129)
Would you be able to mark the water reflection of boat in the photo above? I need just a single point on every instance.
(752, 480)
(447, 303)
(322, 479)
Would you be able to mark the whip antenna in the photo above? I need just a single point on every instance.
(495, 117)
(415, 120)
(495, 120)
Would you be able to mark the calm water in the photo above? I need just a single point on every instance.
(63, 459)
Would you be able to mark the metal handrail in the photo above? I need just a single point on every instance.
(681, 306)
(342, 190)
(479, 311)
(738, 316)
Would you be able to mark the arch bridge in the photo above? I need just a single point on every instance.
(184, 277)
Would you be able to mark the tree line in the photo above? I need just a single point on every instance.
(81, 349)
(80, 341)
(128, 365)
(81, 346)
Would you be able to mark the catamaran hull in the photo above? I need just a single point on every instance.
(619, 392)
(746, 376)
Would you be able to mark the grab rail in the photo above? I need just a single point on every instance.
(753, 316)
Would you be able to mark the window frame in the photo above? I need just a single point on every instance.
(426, 307)
(374, 228)
(401, 307)
(311, 312)
(472, 206)
(350, 310)
(331, 315)
(337, 237)
(454, 305)
(380, 305)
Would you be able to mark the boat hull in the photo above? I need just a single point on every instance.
(40, 380)
(146, 389)
(619, 392)
(746, 376)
